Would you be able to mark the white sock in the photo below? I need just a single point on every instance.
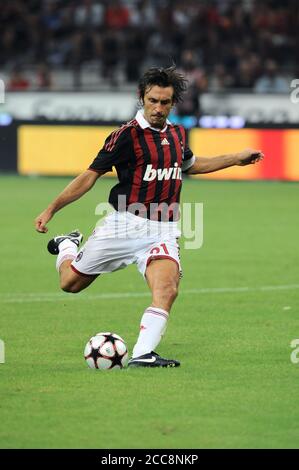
(67, 250)
(152, 327)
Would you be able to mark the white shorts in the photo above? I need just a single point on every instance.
(123, 239)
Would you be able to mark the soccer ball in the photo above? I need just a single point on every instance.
(106, 351)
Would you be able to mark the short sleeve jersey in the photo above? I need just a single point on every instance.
(149, 164)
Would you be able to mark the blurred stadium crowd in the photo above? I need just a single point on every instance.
(220, 45)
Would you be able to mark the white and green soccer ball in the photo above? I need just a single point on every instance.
(106, 351)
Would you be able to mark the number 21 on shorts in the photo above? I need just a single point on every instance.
(158, 249)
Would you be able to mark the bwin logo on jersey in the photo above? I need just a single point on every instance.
(174, 173)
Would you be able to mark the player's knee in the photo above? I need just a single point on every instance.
(172, 292)
(71, 287)
(168, 292)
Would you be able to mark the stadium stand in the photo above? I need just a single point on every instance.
(89, 44)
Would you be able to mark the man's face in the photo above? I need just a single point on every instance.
(158, 102)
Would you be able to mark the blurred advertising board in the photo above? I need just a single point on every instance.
(69, 149)
(117, 106)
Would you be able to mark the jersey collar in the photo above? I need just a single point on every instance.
(143, 123)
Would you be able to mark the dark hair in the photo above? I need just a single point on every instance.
(163, 77)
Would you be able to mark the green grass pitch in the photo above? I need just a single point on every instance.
(236, 387)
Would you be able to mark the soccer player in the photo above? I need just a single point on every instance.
(149, 154)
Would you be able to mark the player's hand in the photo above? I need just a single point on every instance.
(41, 221)
(249, 156)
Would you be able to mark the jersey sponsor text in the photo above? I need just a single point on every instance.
(174, 173)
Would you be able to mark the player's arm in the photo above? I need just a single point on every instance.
(76, 189)
(208, 165)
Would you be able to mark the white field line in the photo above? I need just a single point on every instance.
(59, 296)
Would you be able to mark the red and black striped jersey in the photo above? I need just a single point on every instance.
(149, 165)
